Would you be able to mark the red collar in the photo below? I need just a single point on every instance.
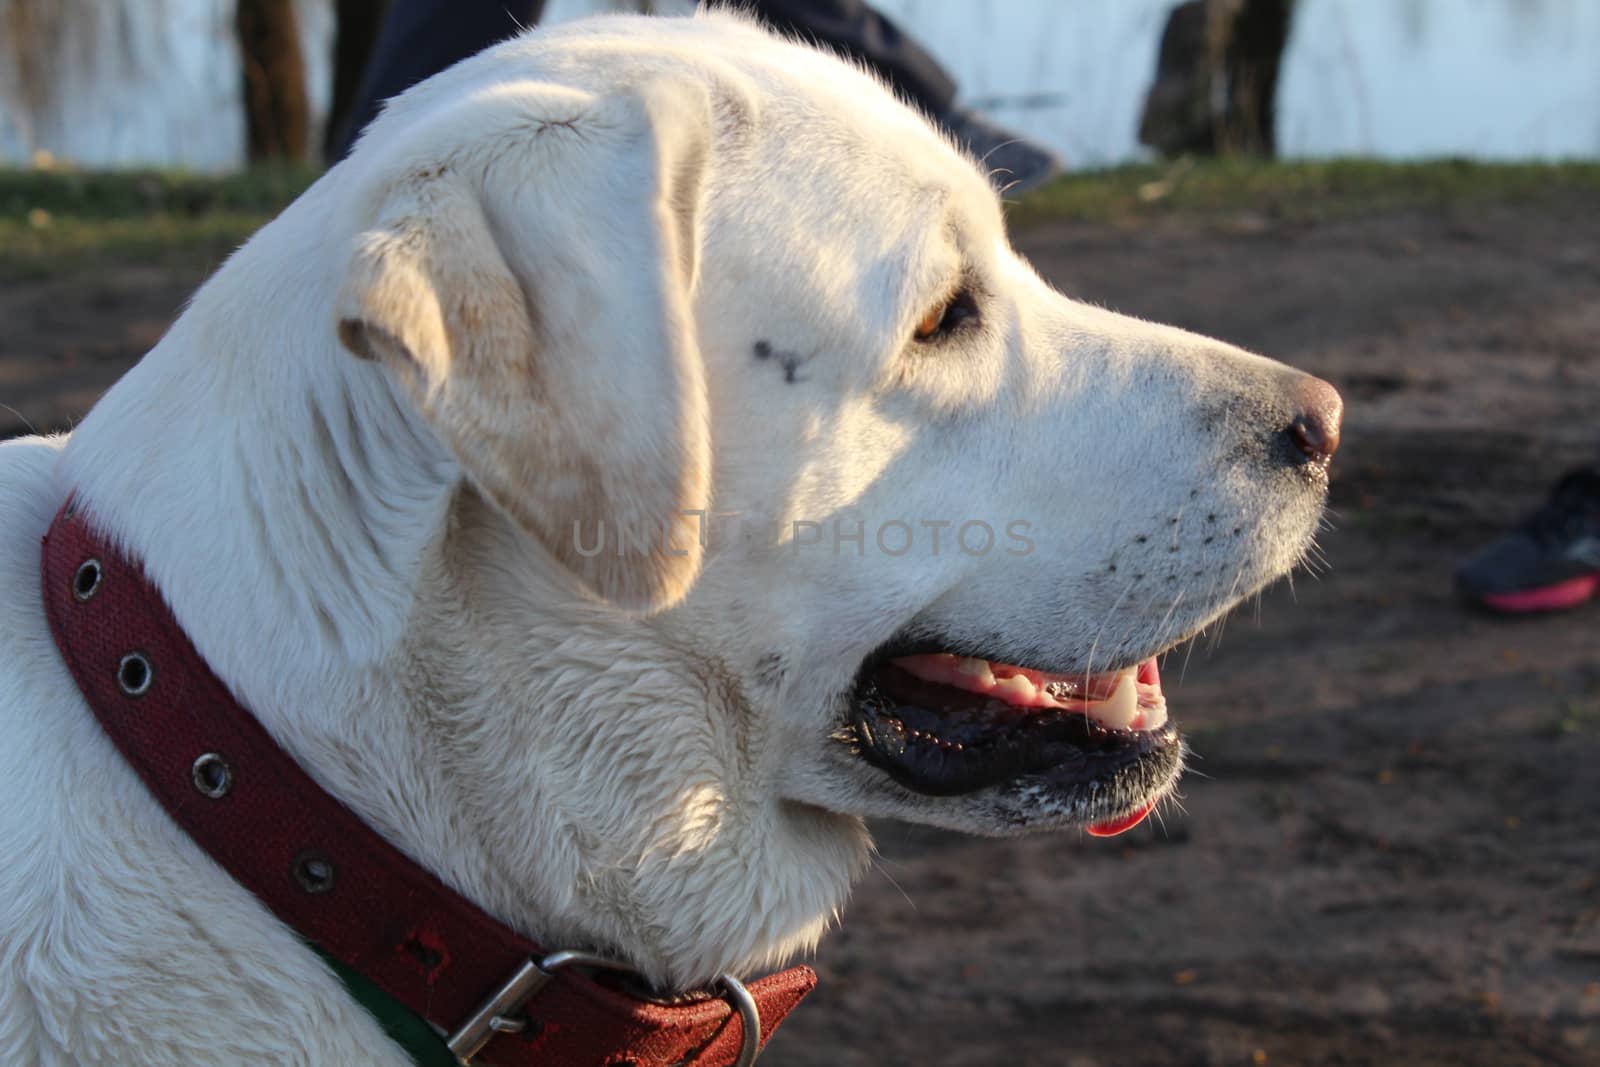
(330, 877)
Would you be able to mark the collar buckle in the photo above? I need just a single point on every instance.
(497, 1015)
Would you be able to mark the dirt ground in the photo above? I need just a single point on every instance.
(1387, 853)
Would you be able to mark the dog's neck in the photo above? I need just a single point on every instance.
(569, 768)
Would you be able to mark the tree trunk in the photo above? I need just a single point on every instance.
(1251, 59)
(1216, 78)
(278, 114)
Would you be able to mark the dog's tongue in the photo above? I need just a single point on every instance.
(1113, 827)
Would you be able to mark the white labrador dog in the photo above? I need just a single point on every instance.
(901, 530)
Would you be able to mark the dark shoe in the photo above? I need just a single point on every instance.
(1016, 165)
(1548, 563)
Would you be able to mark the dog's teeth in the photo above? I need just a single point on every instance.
(1116, 702)
(1015, 690)
(1152, 707)
(976, 669)
(1118, 711)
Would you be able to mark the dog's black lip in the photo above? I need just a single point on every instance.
(1078, 759)
(929, 767)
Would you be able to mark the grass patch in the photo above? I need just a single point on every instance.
(122, 194)
(55, 222)
(1223, 189)
(73, 246)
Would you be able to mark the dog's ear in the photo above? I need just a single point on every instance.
(532, 293)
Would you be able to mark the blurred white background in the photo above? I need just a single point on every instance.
(122, 82)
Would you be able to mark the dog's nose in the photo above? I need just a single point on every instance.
(1315, 430)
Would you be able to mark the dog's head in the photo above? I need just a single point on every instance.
(739, 341)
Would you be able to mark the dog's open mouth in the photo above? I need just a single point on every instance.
(944, 725)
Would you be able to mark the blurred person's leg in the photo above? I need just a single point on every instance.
(856, 30)
(853, 28)
(422, 37)
(1550, 560)
(419, 39)
(356, 26)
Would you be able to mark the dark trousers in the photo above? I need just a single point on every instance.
(422, 37)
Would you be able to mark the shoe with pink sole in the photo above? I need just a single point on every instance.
(1550, 562)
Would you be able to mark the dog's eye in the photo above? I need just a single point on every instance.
(946, 316)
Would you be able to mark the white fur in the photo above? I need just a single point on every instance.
(557, 259)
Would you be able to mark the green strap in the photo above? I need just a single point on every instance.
(407, 1029)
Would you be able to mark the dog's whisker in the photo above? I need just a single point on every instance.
(1188, 653)
(1165, 629)
(1094, 645)
(1161, 816)
(879, 866)
(25, 420)
(984, 159)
